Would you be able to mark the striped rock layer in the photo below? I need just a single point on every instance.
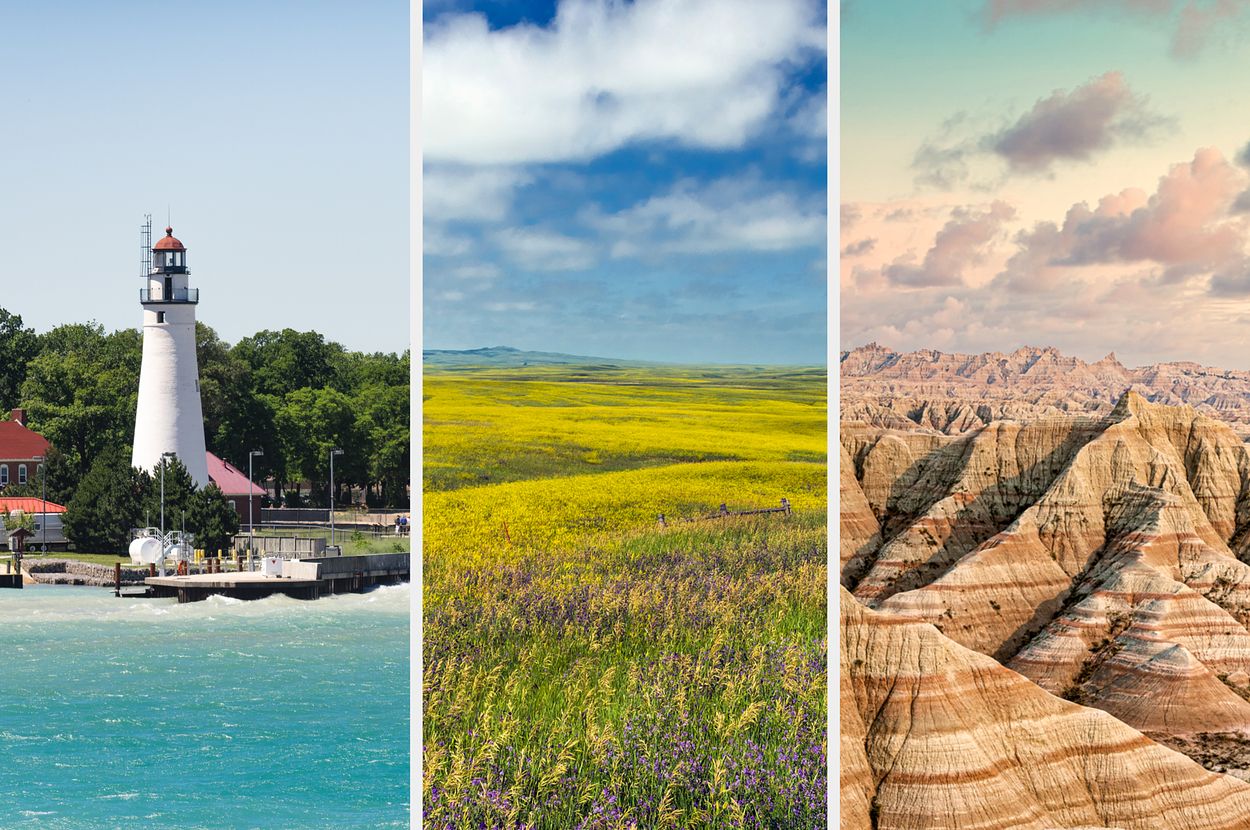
(1097, 558)
(953, 393)
(935, 736)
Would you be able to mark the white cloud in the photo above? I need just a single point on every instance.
(726, 215)
(534, 249)
(509, 306)
(476, 271)
(812, 117)
(455, 192)
(605, 73)
(435, 241)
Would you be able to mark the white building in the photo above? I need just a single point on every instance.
(169, 416)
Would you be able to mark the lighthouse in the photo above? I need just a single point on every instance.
(169, 417)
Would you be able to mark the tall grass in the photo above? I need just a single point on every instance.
(646, 679)
(486, 524)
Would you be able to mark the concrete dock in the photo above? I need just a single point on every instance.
(301, 578)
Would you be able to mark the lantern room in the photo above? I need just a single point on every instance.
(169, 256)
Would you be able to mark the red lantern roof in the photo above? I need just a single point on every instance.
(169, 243)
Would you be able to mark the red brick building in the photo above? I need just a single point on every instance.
(18, 450)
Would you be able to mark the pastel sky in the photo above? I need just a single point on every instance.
(643, 180)
(1067, 173)
(276, 133)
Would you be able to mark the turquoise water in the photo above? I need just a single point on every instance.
(274, 713)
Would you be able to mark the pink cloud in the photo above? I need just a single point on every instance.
(1162, 272)
(1074, 125)
(962, 243)
(1187, 226)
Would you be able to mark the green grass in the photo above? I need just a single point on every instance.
(628, 675)
(611, 667)
(96, 558)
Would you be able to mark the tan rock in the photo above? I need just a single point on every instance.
(1110, 536)
(859, 535)
(937, 736)
(885, 388)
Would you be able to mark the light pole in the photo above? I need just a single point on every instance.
(43, 517)
(164, 543)
(332, 454)
(164, 455)
(250, 544)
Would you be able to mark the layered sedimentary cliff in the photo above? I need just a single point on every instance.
(954, 393)
(936, 736)
(1097, 560)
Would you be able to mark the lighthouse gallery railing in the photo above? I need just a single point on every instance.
(178, 295)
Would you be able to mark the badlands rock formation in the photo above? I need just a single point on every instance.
(953, 393)
(1100, 559)
(936, 736)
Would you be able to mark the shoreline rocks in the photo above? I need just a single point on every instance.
(75, 572)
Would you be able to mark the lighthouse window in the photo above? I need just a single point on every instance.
(160, 316)
(21, 473)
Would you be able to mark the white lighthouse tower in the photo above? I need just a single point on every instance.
(169, 416)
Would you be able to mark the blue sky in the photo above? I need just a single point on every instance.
(1068, 173)
(275, 133)
(641, 180)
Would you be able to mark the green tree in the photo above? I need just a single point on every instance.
(321, 420)
(60, 484)
(224, 382)
(61, 478)
(106, 504)
(254, 423)
(11, 523)
(213, 521)
(282, 362)
(355, 371)
(18, 346)
(82, 389)
(388, 412)
(179, 490)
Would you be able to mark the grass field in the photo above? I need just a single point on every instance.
(497, 426)
(584, 667)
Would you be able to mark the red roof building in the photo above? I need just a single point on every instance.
(19, 448)
(234, 483)
(27, 505)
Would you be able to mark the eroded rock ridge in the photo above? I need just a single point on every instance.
(1091, 561)
(955, 393)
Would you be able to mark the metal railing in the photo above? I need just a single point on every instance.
(177, 295)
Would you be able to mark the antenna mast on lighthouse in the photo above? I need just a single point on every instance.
(145, 246)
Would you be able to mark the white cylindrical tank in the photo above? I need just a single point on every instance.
(145, 550)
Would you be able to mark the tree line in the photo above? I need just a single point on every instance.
(292, 395)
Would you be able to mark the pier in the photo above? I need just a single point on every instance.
(308, 578)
